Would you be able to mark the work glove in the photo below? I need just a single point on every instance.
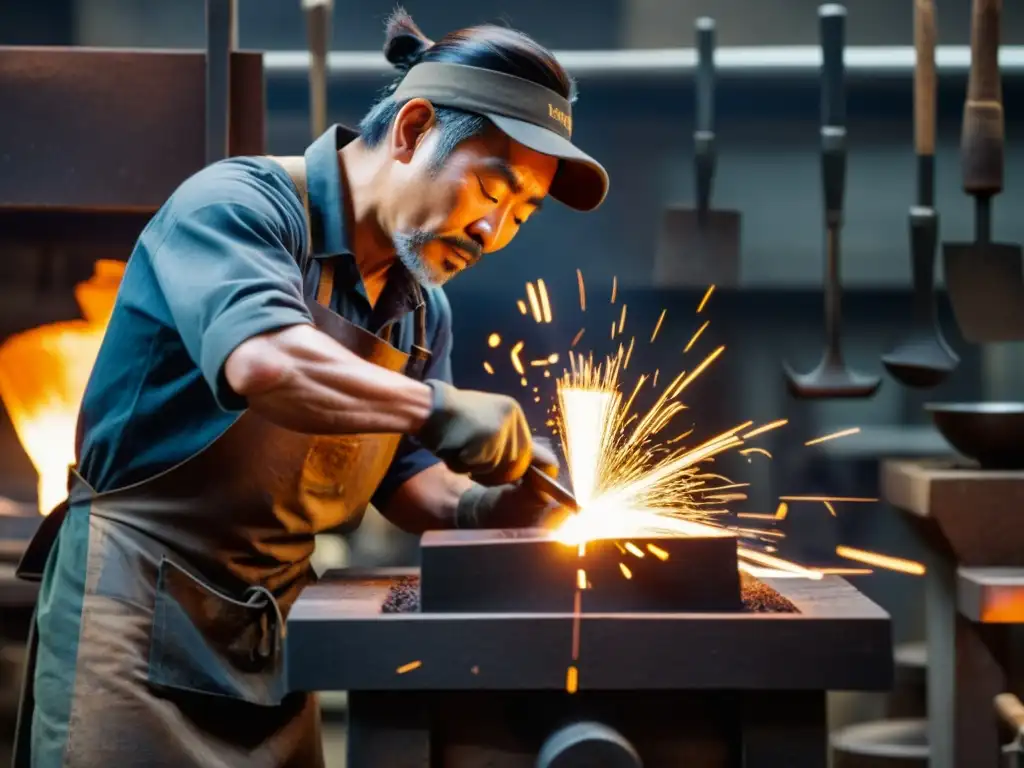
(514, 505)
(480, 434)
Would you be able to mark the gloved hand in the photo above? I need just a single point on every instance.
(514, 505)
(479, 434)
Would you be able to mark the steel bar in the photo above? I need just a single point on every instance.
(527, 570)
(753, 62)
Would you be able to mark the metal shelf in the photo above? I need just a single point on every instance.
(753, 62)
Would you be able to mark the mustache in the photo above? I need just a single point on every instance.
(470, 248)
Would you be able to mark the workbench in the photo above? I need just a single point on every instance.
(969, 521)
(471, 689)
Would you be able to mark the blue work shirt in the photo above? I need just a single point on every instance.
(218, 264)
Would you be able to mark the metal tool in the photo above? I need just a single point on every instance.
(923, 359)
(546, 484)
(985, 279)
(701, 246)
(221, 40)
(318, 29)
(1011, 712)
(832, 379)
(989, 433)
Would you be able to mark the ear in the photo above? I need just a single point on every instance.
(412, 122)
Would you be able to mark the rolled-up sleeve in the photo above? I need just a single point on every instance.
(411, 458)
(228, 272)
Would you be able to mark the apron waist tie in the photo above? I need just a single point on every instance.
(272, 624)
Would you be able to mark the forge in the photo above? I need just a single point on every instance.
(491, 654)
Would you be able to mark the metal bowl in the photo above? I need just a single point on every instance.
(990, 433)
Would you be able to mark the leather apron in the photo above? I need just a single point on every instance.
(189, 576)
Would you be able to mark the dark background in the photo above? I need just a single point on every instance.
(639, 126)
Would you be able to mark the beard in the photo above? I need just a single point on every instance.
(409, 248)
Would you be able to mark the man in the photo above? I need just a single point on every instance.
(277, 358)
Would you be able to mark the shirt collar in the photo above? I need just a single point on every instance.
(328, 225)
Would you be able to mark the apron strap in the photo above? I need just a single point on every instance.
(295, 167)
(325, 286)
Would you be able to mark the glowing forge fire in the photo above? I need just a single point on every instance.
(43, 374)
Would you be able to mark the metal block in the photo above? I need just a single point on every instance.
(113, 130)
(528, 571)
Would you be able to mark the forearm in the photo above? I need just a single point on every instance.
(302, 380)
(427, 501)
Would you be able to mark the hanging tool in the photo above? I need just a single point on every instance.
(832, 379)
(221, 40)
(985, 280)
(318, 29)
(923, 359)
(700, 247)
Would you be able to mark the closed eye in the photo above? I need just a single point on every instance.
(484, 192)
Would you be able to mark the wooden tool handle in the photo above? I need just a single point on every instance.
(318, 22)
(924, 77)
(981, 145)
(1010, 711)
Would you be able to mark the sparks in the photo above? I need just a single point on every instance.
(531, 295)
(657, 325)
(833, 436)
(409, 667)
(766, 428)
(780, 514)
(583, 291)
(572, 679)
(522, 306)
(658, 552)
(514, 354)
(493, 341)
(623, 486)
(615, 288)
(633, 549)
(707, 295)
(855, 499)
(881, 561)
(489, 368)
(696, 335)
(576, 338)
(545, 303)
(622, 319)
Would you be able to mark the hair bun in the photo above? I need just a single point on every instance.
(404, 43)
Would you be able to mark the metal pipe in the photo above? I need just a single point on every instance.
(764, 61)
(221, 40)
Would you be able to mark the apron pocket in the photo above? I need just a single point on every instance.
(207, 642)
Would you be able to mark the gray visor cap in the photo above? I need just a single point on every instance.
(526, 112)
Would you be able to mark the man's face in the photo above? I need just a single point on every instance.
(443, 219)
